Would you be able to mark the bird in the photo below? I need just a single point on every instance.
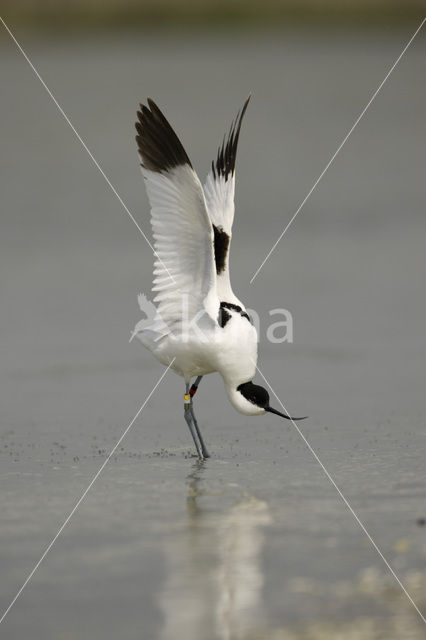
(199, 326)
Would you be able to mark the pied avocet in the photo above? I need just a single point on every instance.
(199, 326)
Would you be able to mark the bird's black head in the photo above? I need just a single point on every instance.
(255, 394)
(259, 398)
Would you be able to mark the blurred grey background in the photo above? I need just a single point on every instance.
(256, 542)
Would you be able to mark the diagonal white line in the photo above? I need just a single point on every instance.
(86, 148)
(329, 163)
(345, 500)
(80, 500)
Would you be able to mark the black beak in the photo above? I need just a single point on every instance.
(283, 415)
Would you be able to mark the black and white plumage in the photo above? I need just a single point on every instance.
(200, 325)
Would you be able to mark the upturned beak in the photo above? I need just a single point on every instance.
(283, 415)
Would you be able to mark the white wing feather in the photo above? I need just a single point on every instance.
(219, 194)
(219, 190)
(184, 267)
(184, 271)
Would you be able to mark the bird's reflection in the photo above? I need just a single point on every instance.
(213, 588)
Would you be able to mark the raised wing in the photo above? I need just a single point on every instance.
(219, 191)
(184, 269)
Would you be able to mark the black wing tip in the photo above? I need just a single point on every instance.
(159, 147)
(227, 152)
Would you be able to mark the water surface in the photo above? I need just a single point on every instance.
(255, 542)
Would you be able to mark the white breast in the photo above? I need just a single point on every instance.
(230, 350)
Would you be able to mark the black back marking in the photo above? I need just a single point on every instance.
(227, 153)
(159, 147)
(237, 308)
(221, 246)
(223, 317)
(254, 393)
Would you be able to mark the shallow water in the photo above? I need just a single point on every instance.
(255, 542)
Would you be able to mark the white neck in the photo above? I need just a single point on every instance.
(241, 404)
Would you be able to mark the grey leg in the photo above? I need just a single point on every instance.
(188, 418)
(192, 392)
(200, 437)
